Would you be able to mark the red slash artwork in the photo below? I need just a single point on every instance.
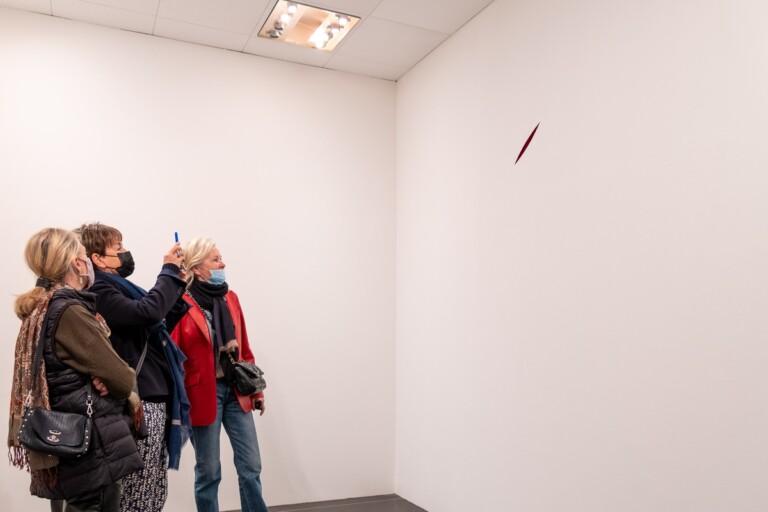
(525, 146)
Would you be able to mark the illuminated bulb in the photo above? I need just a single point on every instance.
(285, 18)
(343, 20)
(292, 8)
(334, 29)
(320, 39)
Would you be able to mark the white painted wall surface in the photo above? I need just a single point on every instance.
(586, 331)
(291, 170)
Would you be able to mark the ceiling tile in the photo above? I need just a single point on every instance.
(358, 8)
(43, 6)
(437, 15)
(285, 51)
(143, 6)
(239, 16)
(365, 67)
(392, 36)
(103, 15)
(207, 36)
(389, 42)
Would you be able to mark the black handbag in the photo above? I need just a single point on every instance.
(59, 433)
(246, 377)
(64, 434)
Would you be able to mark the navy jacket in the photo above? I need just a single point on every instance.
(131, 321)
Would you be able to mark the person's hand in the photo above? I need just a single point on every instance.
(100, 387)
(174, 255)
(259, 404)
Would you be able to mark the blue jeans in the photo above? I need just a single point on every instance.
(241, 431)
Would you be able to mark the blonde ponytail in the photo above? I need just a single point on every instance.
(49, 254)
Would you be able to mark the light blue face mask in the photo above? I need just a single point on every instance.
(217, 277)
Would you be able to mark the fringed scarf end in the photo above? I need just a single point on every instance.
(44, 481)
(17, 457)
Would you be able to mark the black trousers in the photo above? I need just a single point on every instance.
(106, 499)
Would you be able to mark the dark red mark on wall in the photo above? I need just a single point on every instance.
(525, 146)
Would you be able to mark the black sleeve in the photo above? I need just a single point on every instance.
(121, 311)
(178, 310)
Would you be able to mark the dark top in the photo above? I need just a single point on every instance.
(131, 323)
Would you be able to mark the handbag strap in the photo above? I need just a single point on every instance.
(39, 350)
(143, 356)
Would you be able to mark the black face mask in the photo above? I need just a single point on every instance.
(126, 264)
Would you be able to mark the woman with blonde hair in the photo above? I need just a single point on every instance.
(213, 334)
(60, 314)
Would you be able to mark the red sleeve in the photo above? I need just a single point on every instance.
(244, 346)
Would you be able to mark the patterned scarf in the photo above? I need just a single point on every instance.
(22, 386)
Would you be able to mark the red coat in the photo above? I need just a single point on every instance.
(192, 336)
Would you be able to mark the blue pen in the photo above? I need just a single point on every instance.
(178, 252)
(176, 239)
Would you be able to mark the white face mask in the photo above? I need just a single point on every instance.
(90, 275)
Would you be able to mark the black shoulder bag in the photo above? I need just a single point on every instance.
(246, 377)
(63, 434)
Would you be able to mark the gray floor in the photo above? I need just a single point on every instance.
(385, 503)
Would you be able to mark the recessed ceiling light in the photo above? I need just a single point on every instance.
(307, 26)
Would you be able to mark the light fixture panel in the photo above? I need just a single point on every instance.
(304, 25)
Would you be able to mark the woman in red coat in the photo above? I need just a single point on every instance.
(211, 332)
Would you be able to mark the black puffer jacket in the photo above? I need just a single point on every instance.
(112, 453)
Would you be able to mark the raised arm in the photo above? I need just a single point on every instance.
(122, 311)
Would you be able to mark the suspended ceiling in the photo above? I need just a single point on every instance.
(391, 37)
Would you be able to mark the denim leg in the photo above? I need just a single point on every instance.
(241, 431)
(205, 440)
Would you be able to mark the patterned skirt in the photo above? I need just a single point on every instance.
(147, 490)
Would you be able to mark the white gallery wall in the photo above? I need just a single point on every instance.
(582, 331)
(290, 168)
(586, 330)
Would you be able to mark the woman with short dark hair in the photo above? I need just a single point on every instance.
(140, 321)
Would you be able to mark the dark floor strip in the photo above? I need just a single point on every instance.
(383, 503)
